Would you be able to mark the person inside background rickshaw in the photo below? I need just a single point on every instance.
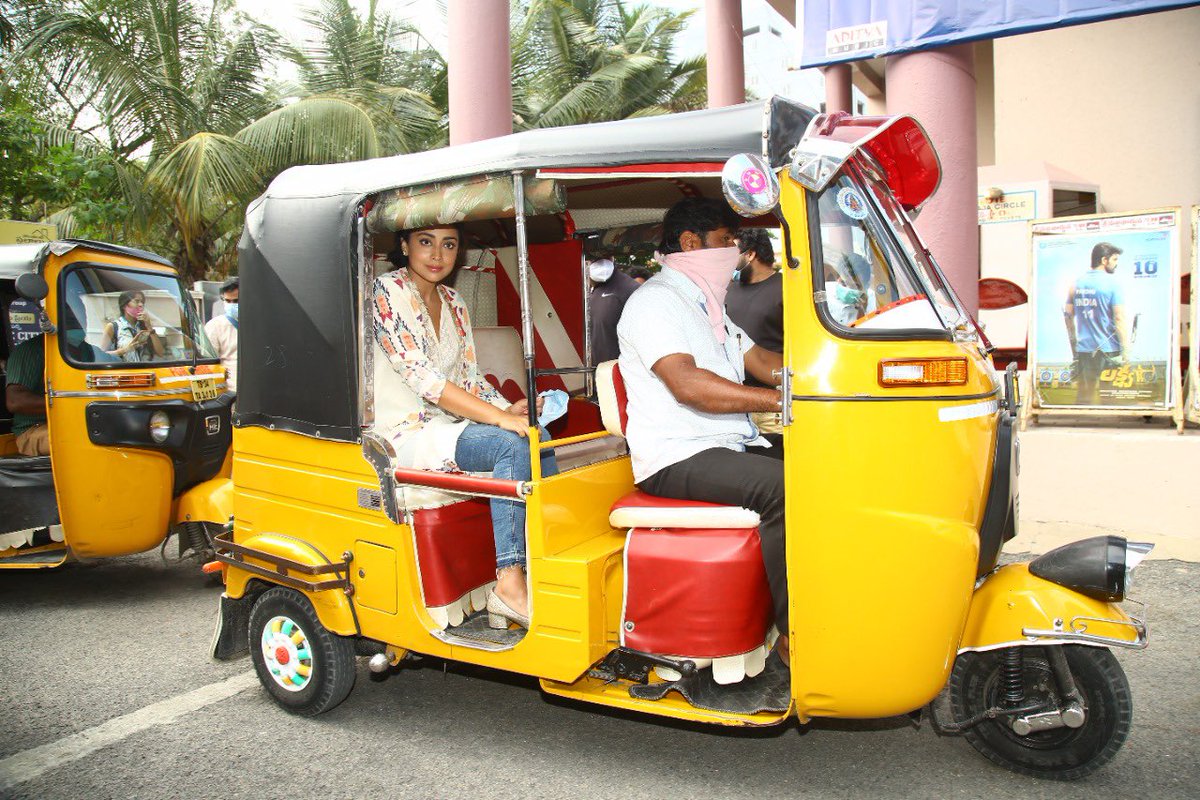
(683, 363)
(436, 406)
(130, 336)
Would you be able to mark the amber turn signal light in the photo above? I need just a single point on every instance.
(923, 372)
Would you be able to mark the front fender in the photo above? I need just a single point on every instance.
(1013, 607)
(209, 501)
(332, 605)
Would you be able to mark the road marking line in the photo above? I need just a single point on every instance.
(29, 764)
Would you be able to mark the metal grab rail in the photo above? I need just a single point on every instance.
(583, 437)
(228, 552)
(460, 483)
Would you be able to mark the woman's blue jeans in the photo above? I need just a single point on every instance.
(486, 448)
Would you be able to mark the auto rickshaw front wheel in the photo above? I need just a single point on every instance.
(305, 668)
(987, 680)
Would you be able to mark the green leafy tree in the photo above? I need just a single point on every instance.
(580, 61)
(179, 86)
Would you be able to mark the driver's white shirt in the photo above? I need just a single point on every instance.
(667, 316)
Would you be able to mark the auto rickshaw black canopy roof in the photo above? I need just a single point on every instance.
(298, 328)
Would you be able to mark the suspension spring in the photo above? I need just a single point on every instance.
(1012, 677)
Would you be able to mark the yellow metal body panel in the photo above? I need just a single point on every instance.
(112, 500)
(47, 556)
(883, 505)
(1012, 600)
(375, 568)
(594, 690)
(305, 490)
(210, 501)
(331, 605)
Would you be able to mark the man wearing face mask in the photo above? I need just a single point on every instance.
(610, 289)
(222, 331)
(684, 363)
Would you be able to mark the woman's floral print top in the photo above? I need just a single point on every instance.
(418, 363)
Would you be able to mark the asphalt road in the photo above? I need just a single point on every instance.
(108, 691)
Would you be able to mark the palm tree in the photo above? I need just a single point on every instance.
(179, 86)
(578, 61)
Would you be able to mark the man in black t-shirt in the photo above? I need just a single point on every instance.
(755, 303)
(610, 289)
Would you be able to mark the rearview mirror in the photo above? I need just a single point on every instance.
(749, 185)
(32, 286)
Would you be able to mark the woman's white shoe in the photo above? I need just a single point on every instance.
(499, 614)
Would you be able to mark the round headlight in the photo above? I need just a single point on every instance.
(1093, 567)
(160, 426)
(1134, 553)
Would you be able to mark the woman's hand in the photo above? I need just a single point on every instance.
(517, 423)
(521, 407)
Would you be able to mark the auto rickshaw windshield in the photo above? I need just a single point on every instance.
(867, 280)
(946, 302)
(111, 315)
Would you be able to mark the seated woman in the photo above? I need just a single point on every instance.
(437, 408)
(130, 336)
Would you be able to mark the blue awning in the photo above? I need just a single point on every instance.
(850, 30)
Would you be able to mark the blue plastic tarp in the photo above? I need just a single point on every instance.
(849, 30)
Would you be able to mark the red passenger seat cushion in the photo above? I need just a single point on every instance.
(455, 550)
(698, 593)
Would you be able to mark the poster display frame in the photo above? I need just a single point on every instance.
(1192, 409)
(1031, 407)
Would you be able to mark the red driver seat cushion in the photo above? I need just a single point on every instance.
(700, 593)
(455, 550)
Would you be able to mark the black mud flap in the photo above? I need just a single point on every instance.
(232, 638)
(770, 690)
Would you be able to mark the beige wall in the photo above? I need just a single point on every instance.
(1116, 102)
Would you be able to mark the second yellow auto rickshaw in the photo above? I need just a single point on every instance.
(901, 457)
(136, 412)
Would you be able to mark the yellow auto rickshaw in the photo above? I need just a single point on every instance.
(135, 407)
(901, 456)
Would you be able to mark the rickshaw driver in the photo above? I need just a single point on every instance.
(683, 363)
(25, 396)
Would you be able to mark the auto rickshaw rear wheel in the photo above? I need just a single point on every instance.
(303, 666)
(977, 684)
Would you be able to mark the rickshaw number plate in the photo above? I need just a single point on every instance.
(204, 389)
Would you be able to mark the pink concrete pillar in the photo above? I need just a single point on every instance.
(837, 88)
(480, 70)
(726, 59)
(938, 88)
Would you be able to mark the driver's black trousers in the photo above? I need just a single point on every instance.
(754, 480)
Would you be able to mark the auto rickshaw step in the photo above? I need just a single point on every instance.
(474, 632)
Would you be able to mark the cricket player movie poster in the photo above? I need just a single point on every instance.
(1105, 310)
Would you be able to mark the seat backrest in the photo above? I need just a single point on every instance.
(610, 391)
(501, 359)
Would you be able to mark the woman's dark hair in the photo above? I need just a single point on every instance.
(124, 297)
(700, 215)
(640, 272)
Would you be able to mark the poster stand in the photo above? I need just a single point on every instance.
(1086, 230)
(1192, 412)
